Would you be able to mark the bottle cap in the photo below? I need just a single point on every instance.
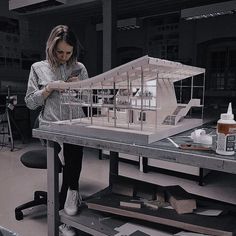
(229, 115)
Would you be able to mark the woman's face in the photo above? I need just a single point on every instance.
(63, 52)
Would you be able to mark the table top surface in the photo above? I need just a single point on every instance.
(162, 149)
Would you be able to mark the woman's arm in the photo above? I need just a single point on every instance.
(35, 95)
(84, 73)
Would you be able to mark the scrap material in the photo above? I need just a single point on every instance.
(131, 228)
(218, 225)
(132, 204)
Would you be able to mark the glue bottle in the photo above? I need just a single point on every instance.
(226, 133)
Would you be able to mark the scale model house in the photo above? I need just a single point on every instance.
(142, 101)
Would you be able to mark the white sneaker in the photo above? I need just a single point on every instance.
(66, 230)
(73, 201)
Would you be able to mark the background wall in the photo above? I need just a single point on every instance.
(208, 43)
(194, 32)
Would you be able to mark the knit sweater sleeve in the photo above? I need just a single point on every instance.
(84, 72)
(34, 97)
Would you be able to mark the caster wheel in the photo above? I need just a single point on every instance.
(19, 215)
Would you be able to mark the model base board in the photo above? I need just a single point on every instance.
(82, 127)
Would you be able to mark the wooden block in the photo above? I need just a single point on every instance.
(152, 204)
(131, 204)
(123, 189)
(180, 200)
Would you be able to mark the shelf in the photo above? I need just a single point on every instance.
(107, 217)
(218, 225)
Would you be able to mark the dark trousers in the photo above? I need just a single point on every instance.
(73, 155)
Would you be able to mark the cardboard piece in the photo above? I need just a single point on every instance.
(180, 200)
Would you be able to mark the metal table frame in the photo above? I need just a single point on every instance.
(162, 150)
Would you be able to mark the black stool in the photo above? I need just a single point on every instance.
(33, 159)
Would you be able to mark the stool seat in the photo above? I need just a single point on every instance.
(35, 159)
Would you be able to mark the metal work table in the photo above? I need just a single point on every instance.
(163, 150)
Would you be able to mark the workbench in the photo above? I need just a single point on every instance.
(162, 150)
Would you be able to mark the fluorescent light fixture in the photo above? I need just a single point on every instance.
(206, 11)
(31, 5)
(124, 24)
(127, 24)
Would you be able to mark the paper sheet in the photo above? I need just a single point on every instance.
(130, 228)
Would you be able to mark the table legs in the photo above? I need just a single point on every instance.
(53, 190)
(114, 166)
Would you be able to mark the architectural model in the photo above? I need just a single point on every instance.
(140, 102)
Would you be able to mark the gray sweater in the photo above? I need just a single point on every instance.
(40, 75)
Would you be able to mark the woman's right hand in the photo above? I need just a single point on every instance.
(55, 85)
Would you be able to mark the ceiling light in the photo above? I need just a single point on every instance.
(207, 11)
(124, 24)
(23, 6)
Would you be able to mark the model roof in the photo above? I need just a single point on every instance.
(146, 68)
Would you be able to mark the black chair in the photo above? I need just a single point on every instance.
(33, 159)
(36, 159)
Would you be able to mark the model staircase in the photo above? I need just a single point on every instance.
(180, 112)
(170, 119)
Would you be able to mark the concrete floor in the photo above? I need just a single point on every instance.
(18, 184)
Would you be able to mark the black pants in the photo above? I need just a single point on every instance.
(73, 155)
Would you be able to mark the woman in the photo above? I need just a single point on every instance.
(60, 65)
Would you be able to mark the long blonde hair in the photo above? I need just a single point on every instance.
(60, 33)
